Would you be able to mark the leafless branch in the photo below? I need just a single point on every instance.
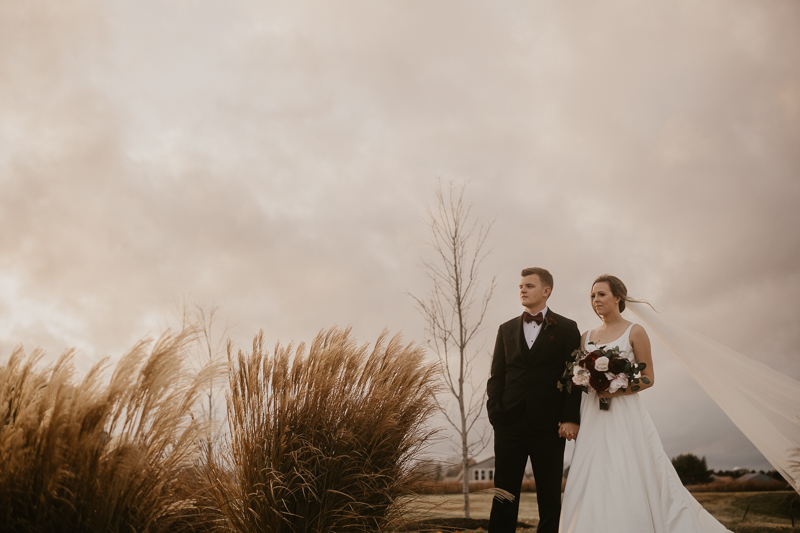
(454, 312)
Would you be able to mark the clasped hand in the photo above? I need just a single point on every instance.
(568, 430)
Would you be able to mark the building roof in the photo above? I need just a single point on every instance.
(755, 477)
(486, 463)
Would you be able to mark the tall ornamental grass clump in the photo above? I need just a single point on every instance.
(100, 455)
(323, 440)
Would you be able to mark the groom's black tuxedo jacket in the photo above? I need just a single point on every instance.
(523, 381)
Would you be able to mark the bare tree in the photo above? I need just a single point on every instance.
(209, 347)
(454, 311)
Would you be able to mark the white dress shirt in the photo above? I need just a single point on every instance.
(532, 329)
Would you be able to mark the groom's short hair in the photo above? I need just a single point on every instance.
(544, 275)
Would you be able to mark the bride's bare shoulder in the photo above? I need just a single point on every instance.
(638, 332)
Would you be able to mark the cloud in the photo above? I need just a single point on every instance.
(276, 158)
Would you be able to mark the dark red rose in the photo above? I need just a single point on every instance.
(616, 365)
(598, 381)
(588, 362)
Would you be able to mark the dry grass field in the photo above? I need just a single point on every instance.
(322, 438)
(742, 512)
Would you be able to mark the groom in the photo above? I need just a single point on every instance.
(530, 416)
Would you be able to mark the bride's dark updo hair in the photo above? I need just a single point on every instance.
(618, 289)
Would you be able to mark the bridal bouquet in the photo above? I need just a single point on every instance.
(604, 370)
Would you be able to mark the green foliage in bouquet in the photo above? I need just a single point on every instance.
(581, 370)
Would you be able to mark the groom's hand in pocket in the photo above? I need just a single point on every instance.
(568, 430)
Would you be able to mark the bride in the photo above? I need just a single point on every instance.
(620, 478)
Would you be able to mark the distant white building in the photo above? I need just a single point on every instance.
(482, 472)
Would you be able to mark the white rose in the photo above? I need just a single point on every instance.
(620, 381)
(601, 363)
(576, 370)
(581, 380)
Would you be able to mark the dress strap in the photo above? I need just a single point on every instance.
(626, 336)
(628, 331)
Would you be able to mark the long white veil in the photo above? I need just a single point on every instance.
(763, 403)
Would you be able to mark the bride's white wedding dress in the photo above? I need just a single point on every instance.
(620, 479)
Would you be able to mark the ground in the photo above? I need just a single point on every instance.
(741, 512)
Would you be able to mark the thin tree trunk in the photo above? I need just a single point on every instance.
(466, 486)
(465, 457)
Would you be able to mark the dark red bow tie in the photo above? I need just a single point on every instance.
(527, 317)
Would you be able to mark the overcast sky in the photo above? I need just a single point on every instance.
(275, 159)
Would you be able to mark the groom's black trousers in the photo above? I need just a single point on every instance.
(513, 445)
